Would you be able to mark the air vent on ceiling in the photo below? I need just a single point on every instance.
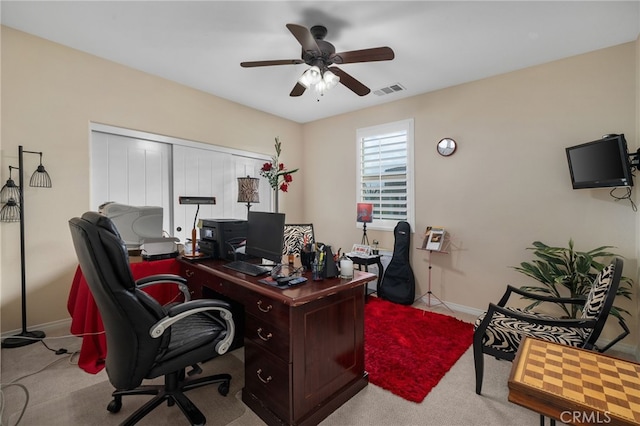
(397, 87)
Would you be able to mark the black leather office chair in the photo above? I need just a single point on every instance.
(144, 339)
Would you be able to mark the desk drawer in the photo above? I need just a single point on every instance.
(196, 279)
(268, 378)
(267, 336)
(267, 309)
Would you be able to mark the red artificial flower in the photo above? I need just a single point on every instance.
(281, 166)
(288, 178)
(266, 167)
(284, 187)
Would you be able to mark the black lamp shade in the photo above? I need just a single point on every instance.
(10, 212)
(9, 191)
(40, 178)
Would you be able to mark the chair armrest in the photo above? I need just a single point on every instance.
(561, 322)
(166, 279)
(183, 310)
(539, 297)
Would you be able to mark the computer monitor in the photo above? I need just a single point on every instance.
(265, 235)
(134, 223)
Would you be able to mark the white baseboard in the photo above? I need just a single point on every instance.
(64, 324)
(625, 348)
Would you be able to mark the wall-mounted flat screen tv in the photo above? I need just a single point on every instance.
(601, 163)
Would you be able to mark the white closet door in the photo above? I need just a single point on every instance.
(131, 171)
(138, 168)
(202, 173)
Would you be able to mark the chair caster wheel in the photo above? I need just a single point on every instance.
(114, 406)
(223, 389)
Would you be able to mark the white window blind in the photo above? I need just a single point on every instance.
(385, 172)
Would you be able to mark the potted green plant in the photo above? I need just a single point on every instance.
(565, 272)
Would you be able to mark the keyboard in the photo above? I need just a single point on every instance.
(246, 268)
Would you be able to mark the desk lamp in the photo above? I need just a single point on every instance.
(12, 198)
(365, 215)
(248, 191)
(194, 234)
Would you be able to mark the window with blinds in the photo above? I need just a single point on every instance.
(385, 172)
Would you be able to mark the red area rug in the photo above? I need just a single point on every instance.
(408, 350)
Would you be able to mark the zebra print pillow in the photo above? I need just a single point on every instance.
(294, 237)
(598, 293)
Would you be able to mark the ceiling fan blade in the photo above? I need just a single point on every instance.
(351, 83)
(269, 63)
(298, 90)
(364, 55)
(304, 37)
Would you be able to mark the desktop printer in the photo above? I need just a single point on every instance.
(220, 238)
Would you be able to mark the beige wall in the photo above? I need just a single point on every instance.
(50, 94)
(506, 186)
(508, 183)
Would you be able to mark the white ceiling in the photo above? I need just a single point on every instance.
(437, 44)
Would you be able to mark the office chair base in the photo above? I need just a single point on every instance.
(172, 392)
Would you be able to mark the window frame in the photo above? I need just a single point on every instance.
(379, 130)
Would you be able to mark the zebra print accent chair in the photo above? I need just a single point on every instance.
(294, 237)
(500, 330)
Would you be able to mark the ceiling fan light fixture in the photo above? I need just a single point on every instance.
(320, 87)
(310, 77)
(330, 79)
(319, 54)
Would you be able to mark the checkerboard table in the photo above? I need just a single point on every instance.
(575, 386)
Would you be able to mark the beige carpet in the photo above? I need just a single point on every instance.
(60, 393)
(88, 404)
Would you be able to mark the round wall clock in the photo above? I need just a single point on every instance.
(446, 147)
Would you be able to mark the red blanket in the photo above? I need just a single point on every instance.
(85, 318)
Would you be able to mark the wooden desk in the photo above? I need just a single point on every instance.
(575, 386)
(304, 346)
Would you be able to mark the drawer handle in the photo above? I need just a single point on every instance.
(267, 309)
(260, 377)
(189, 273)
(269, 336)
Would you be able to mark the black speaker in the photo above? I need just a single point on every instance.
(330, 268)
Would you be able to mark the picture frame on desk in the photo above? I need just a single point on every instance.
(361, 250)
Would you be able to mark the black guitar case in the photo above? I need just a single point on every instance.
(398, 283)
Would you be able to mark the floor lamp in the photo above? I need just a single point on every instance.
(194, 233)
(248, 191)
(12, 198)
(365, 215)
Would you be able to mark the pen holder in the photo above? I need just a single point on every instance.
(306, 258)
(316, 271)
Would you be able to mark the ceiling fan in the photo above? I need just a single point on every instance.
(321, 56)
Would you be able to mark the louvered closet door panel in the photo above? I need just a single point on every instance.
(203, 173)
(130, 171)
